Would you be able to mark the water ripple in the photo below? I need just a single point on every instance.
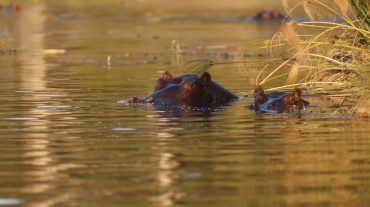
(22, 119)
(9, 201)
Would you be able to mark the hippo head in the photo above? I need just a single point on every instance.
(275, 14)
(189, 90)
(277, 102)
(269, 15)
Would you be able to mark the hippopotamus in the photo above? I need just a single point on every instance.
(277, 102)
(187, 90)
(269, 15)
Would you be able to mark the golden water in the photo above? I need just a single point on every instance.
(65, 141)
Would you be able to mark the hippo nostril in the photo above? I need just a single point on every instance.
(149, 100)
(134, 100)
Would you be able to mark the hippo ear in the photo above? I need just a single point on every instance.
(206, 78)
(258, 88)
(297, 93)
(167, 75)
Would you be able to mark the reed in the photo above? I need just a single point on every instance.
(325, 55)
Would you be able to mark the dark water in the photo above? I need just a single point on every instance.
(65, 141)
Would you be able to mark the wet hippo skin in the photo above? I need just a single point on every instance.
(277, 102)
(187, 90)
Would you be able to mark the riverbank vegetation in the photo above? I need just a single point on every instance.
(326, 55)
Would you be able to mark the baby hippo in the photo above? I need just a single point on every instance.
(277, 102)
(187, 90)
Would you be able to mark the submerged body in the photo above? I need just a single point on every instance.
(277, 102)
(187, 90)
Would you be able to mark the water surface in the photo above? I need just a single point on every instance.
(65, 141)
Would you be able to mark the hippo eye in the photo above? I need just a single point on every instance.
(160, 84)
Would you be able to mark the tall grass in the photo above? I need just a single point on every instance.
(327, 55)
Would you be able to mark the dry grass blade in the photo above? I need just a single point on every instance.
(308, 11)
(198, 66)
(293, 75)
(275, 70)
(311, 83)
(362, 107)
(285, 5)
(259, 74)
(275, 44)
(343, 6)
(290, 34)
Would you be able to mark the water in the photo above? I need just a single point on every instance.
(65, 141)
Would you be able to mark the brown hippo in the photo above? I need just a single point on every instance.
(277, 102)
(187, 90)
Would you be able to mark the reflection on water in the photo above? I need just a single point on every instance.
(65, 141)
(167, 165)
(9, 201)
(32, 77)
